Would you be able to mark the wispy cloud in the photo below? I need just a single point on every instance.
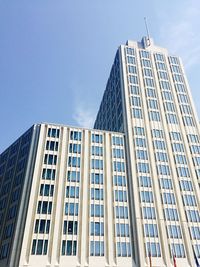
(179, 30)
(84, 116)
(84, 112)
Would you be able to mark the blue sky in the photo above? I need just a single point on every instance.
(55, 56)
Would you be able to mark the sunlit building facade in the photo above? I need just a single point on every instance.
(64, 199)
(148, 98)
(124, 194)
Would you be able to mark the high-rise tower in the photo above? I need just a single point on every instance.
(124, 194)
(148, 98)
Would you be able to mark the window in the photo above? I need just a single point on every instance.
(149, 82)
(188, 121)
(116, 140)
(52, 145)
(177, 147)
(118, 153)
(154, 116)
(123, 249)
(75, 135)
(119, 180)
(143, 167)
(141, 154)
(193, 138)
(171, 118)
(157, 133)
(50, 159)
(46, 190)
(178, 250)
(166, 183)
(96, 248)
(134, 89)
(145, 181)
(180, 159)
(97, 138)
(153, 248)
(39, 247)
(136, 101)
(42, 226)
(151, 92)
(186, 185)
(131, 60)
(159, 57)
(122, 229)
(153, 104)
(159, 144)
(137, 113)
(139, 131)
(168, 198)
(97, 210)
(53, 132)
(48, 174)
(176, 136)
(183, 172)
(141, 142)
(147, 72)
(132, 69)
(96, 150)
(146, 196)
(119, 166)
(151, 230)
(120, 196)
(97, 164)
(73, 176)
(8, 231)
(4, 251)
(161, 156)
(169, 106)
(74, 162)
(75, 148)
(71, 209)
(121, 212)
(171, 214)
(164, 84)
(162, 75)
(163, 169)
(133, 79)
(174, 231)
(44, 207)
(167, 95)
(72, 191)
(144, 54)
(69, 247)
(146, 63)
(193, 216)
(130, 51)
(149, 213)
(195, 232)
(97, 178)
(70, 227)
(97, 228)
(189, 200)
(96, 193)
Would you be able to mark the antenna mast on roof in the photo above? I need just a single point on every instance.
(147, 29)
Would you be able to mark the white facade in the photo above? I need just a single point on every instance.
(77, 213)
(162, 148)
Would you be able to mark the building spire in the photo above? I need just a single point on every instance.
(147, 29)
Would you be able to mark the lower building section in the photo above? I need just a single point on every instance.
(77, 210)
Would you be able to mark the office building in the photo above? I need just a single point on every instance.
(64, 199)
(126, 193)
(148, 98)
